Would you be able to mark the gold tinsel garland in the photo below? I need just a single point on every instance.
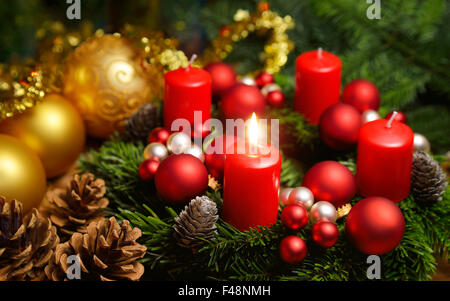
(21, 88)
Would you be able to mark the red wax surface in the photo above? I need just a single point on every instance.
(318, 83)
(251, 185)
(186, 90)
(384, 160)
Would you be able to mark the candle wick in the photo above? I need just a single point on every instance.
(191, 61)
(389, 123)
(319, 52)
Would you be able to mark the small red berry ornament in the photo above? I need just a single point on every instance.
(264, 78)
(159, 135)
(325, 234)
(399, 117)
(294, 217)
(223, 77)
(241, 101)
(148, 168)
(275, 99)
(339, 126)
(293, 249)
(361, 94)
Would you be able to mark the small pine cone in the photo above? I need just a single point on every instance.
(197, 220)
(428, 181)
(82, 202)
(107, 252)
(139, 125)
(26, 243)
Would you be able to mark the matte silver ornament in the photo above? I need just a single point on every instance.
(269, 88)
(196, 151)
(323, 211)
(178, 142)
(155, 150)
(421, 143)
(369, 115)
(302, 196)
(248, 80)
(284, 196)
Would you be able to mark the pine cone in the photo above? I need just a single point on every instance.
(428, 181)
(197, 220)
(108, 251)
(139, 125)
(26, 243)
(82, 202)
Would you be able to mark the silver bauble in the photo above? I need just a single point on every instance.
(302, 196)
(369, 115)
(196, 151)
(323, 211)
(155, 150)
(178, 142)
(248, 80)
(421, 143)
(269, 88)
(284, 196)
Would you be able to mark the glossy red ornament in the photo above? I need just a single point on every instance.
(361, 94)
(325, 234)
(375, 225)
(159, 135)
(294, 217)
(215, 155)
(148, 168)
(401, 117)
(330, 181)
(222, 75)
(293, 249)
(264, 78)
(241, 101)
(275, 99)
(180, 178)
(339, 126)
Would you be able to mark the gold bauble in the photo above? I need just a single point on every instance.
(105, 80)
(53, 129)
(22, 176)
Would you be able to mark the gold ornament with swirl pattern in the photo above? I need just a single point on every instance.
(105, 80)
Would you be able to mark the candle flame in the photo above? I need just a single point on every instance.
(253, 131)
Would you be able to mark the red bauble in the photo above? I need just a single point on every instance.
(375, 225)
(330, 181)
(325, 234)
(361, 94)
(222, 75)
(264, 78)
(159, 135)
(148, 168)
(293, 249)
(339, 126)
(275, 99)
(294, 217)
(200, 130)
(180, 178)
(215, 155)
(241, 101)
(399, 117)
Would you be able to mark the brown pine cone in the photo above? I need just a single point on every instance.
(26, 243)
(82, 202)
(108, 251)
(139, 125)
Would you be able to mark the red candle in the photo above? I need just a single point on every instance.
(186, 90)
(384, 161)
(318, 83)
(251, 185)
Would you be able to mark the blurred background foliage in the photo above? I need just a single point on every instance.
(406, 53)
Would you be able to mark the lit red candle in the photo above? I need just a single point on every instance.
(384, 160)
(251, 184)
(186, 90)
(317, 83)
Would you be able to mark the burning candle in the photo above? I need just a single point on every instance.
(318, 83)
(186, 90)
(251, 183)
(384, 161)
